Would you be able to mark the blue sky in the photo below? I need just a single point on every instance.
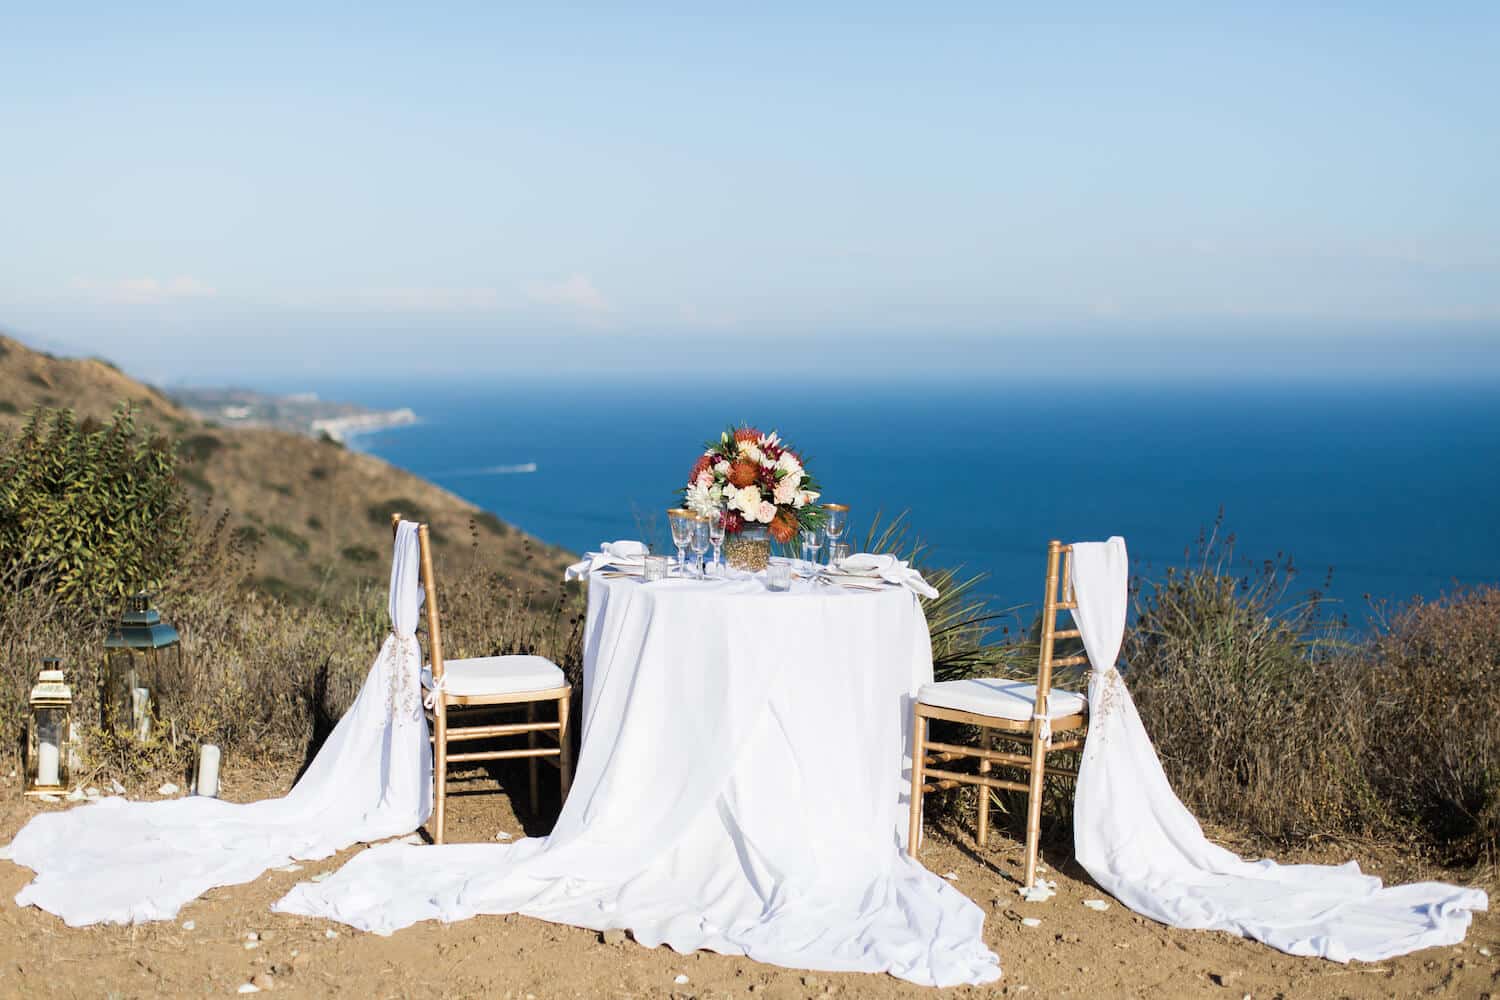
(205, 193)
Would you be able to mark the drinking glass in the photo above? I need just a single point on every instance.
(655, 569)
(837, 553)
(779, 575)
(835, 520)
(682, 535)
(812, 540)
(716, 536)
(700, 543)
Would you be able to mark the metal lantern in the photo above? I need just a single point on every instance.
(143, 659)
(47, 736)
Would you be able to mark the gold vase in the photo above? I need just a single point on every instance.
(749, 549)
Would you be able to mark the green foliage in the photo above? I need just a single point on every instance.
(6, 406)
(359, 553)
(492, 524)
(380, 513)
(284, 534)
(96, 510)
(249, 536)
(318, 472)
(199, 447)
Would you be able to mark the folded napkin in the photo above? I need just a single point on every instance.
(621, 553)
(891, 570)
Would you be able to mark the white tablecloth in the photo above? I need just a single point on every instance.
(740, 788)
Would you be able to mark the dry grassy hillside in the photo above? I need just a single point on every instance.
(319, 511)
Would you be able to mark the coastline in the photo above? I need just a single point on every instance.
(344, 429)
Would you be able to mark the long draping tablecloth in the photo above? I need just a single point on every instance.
(739, 789)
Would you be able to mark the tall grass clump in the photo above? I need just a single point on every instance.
(1430, 693)
(1247, 692)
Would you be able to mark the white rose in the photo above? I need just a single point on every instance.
(792, 478)
(753, 453)
(705, 478)
(766, 513)
(786, 491)
(722, 468)
(788, 462)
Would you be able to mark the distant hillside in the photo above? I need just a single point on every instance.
(319, 511)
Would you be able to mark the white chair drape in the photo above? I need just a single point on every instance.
(1138, 841)
(126, 862)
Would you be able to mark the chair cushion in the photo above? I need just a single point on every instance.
(484, 675)
(999, 698)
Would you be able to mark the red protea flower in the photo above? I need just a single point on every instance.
(783, 526)
(704, 463)
(743, 472)
(747, 434)
(733, 523)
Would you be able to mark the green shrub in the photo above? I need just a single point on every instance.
(492, 524)
(199, 447)
(380, 513)
(96, 510)
(284, 534)
(314, 523)
(6, 406)
(249, 535)
(318, 472)
(359, 553)
(281, 488)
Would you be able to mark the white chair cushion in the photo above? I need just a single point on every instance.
(999, 698)
(485, 675)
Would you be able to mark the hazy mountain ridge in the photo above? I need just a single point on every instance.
(319, 510)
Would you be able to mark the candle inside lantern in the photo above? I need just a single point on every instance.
(46, 763)
(208, 771)
(140, 712)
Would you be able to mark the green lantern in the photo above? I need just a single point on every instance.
(143, 663)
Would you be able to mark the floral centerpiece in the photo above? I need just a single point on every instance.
(753, 484)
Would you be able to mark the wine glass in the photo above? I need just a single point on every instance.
(700, 542)
(682, 534)
(835, 520)
(812, 540)
(716, 536)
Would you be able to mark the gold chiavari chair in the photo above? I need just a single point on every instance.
(1038, 717)
(493, 683)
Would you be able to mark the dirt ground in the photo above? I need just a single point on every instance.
(1075, 952)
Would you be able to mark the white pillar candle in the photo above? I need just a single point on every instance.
(208, 771)
(140, 712)
(46, 764)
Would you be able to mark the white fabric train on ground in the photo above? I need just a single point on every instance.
(1140, 843)
(739, 790)
(126, 862)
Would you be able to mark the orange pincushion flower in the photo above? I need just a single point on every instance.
(743, 472)
(783, 526)
(747, 434)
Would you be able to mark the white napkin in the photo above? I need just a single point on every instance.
(626, 552)
(891, 570)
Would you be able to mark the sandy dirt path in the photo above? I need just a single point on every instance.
(1075, 952)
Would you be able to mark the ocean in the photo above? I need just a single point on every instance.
(1378, 491)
